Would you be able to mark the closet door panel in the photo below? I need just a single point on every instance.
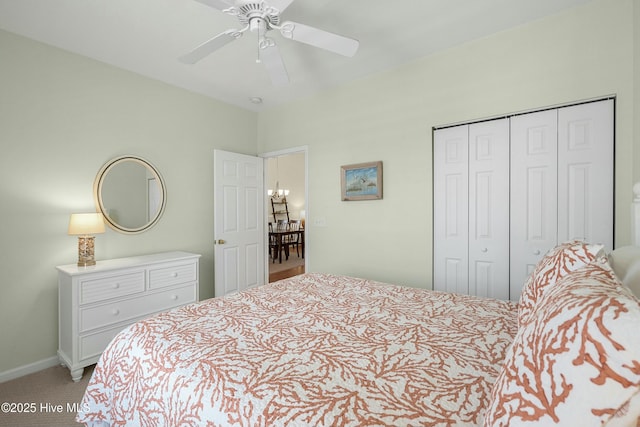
(450, 210)
(585, 173)
(534, 193)
(489, 209)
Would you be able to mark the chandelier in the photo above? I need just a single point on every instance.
(278, 192)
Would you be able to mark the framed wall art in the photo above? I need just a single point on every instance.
(362, 181)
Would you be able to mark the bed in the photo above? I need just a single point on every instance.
(316, 349)
(322, 349)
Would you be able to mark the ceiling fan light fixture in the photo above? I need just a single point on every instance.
(262, 16)
(247, 12)
(258, 25)
(255, 100)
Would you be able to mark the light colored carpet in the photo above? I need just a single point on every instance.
(48, 398)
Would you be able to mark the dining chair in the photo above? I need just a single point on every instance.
(273, 244)
(283, 225)
(294, 239)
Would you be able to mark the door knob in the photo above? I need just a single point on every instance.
(220, 242)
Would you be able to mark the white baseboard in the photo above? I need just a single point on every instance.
(21, 371)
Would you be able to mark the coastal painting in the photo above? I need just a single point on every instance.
(362, 181)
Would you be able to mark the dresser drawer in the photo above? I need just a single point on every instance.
(92, 345)
(120, 311)
(96, 303)
(107, 287)
(172, 275)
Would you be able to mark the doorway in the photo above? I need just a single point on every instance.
(285, 183)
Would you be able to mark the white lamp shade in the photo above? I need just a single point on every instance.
(86, 223)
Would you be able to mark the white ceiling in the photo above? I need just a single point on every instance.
(147, 37)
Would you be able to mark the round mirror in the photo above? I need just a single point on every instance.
(130, 193)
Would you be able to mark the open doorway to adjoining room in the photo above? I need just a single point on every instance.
(285, 212)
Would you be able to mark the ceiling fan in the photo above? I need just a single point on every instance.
(259, 16)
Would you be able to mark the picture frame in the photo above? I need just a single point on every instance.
(361, 181)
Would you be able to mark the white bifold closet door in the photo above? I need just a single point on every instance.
(506, 191)
(561, 182)
(471, 209)
(585, 173)
(534, 191)
(451, 209)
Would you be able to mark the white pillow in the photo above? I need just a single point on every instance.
(625, 262)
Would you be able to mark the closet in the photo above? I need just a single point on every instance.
(507, 190)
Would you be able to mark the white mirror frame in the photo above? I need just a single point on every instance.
(98, 187)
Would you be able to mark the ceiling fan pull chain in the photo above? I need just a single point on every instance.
(258, 61)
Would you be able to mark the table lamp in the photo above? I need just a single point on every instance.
(83, 225)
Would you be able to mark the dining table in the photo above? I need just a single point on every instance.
(279, 236)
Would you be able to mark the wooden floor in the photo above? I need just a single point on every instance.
(279, 275)
(290, 266)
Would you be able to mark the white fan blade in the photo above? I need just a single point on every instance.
(272, 60)
(281, 5)
(216, 4)
(210, 46)
(319, 38)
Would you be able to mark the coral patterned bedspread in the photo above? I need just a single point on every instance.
(314, 350)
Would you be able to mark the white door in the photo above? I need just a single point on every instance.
(450, 209)
(239, 223)
(534, 192)
(489, 209)
(585, 173)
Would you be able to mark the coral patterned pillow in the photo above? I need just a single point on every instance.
(577, 362)
(557, 263)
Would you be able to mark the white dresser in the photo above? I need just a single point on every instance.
(97, 302)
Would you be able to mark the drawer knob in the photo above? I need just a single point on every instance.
(116, 285)
(115, 311)
(536, 252)
(485, 250)
(174, 275)
(174, 297)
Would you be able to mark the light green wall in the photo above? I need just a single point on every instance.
(62, 117)
(579, 54)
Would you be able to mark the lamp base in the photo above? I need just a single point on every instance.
(86, 251)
